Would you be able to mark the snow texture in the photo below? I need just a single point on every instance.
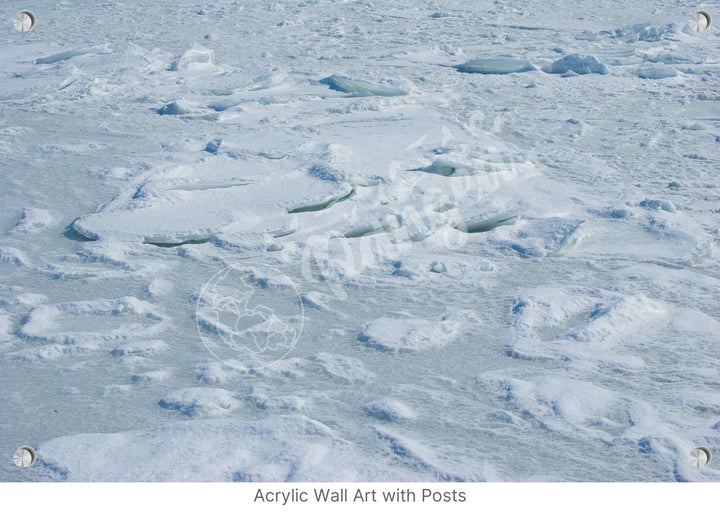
(360, 241)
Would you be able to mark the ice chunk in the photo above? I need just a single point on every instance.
(360, 88)
(463, 160)
(61, 56)
(274, 79)
(213, 146)
(495, 66)
(195, 57)
(190, 204)
(580, 64)
(179, 107)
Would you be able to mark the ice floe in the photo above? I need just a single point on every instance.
(495, 66)
(360, 88)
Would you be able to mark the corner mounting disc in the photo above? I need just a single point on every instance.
(700, 456)
(700, 21)
(24, 456)
(24, 21)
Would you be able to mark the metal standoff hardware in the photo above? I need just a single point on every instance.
(24, 456)
(700, 456)
(700, 21)
(24, 21)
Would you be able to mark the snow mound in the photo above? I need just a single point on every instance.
(563, 405)
(52, 352)
(158, 287)
(390, 410)
(33, 220)
(359, 88)
(315, 300)
(274, 449)
(200, 402)
(579, 323)
(141, 348)
(10, 255)
(580, 64)
(407, 335)
(656, 72)
(46, 322)
(149, 377)
(423, 457)
(533, 237)
(5, 327)
(657, 204)
(219, 372)
(116, 389)
(343, 368)
(646, 31)
(264, 400)
(495, 66)
(179, 107)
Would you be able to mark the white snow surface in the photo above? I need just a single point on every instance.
(350, 241)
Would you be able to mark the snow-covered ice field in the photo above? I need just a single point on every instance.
(353, 240)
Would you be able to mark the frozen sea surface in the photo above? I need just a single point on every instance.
(343, 240)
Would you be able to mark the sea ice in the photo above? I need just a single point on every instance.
(580, 64)
(360, 88)
(495, 66)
